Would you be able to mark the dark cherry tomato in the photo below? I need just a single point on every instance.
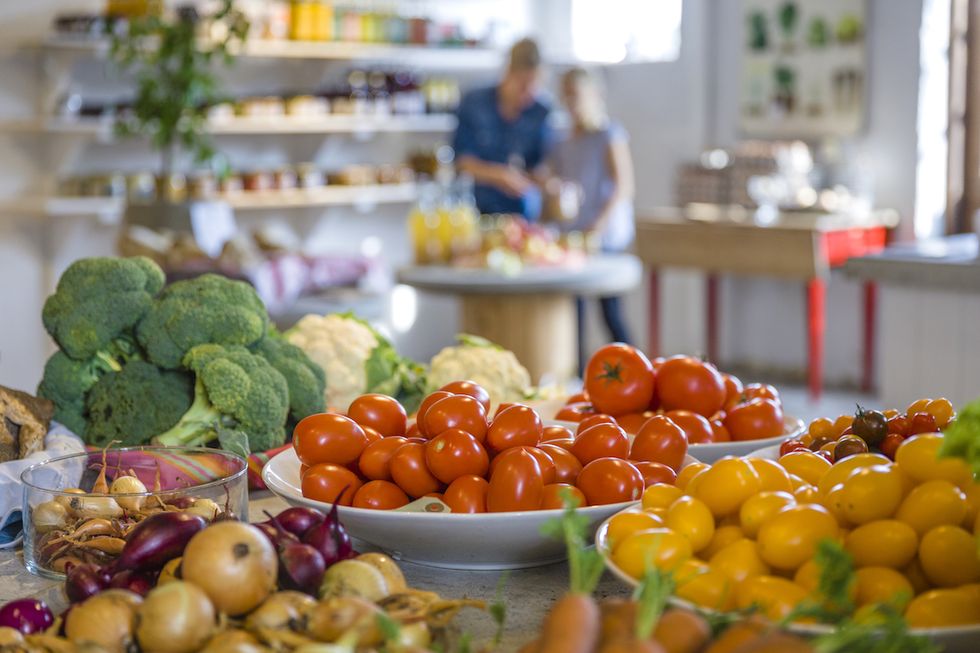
(516, 484)
(655, 472)
(733, 390)
(719, 432)
(470, 389)
(567, 466)
(610, 480)
(515, 427)
(660, 441)
(556, 432)
(456, 412)
(687, 383)
(592, 420)
(633, 422)
(760, 391)
(819, 443)
(547, 465)
(380, 495)
(899, 424)
(328, 438)
(849, 445)
(556, 494)
(454, 453)
(575, 412)
(330, 484)
(790, 444)
(467, 494)
(382, 413)
(922, 422)
(697, 429)
(870, 425)
(891, 443)
(427, 403)
(619, 379)
(755, 419)
(601, 441)
(374, 462)
(409, 471)
(826, 455)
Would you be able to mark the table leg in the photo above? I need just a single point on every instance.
(711, 317)
(870, 314)
(816, 324)
(653, 314)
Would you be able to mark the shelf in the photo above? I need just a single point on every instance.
(60, 207)
(103, 129)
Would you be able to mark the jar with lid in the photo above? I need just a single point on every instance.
(302, 20)
(323, 21)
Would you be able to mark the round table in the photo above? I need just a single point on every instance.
(530, 313)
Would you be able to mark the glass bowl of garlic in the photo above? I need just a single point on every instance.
(80, 508)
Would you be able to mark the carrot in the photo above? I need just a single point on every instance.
(633, 646)
(682, 631)
(572, 626)
(534, 646)
(618, 620)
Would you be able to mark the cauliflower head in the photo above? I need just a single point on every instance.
(481, 361)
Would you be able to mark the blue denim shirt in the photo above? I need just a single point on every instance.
(483, 133)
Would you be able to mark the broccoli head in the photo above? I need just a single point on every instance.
(67, 381)
(98, 300)
(207, 309)
(139, 402)
(236, 393)
(305, 378)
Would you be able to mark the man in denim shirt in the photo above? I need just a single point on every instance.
(503, 135)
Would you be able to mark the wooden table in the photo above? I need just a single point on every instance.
(530, 313)
(795, 245)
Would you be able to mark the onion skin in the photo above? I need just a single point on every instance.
(85, 581)
(333, 543)
(158, 539)
(301, 567)
(106, 620)
(175, 618)
(280, 611)
(26, 616)
(277, 536)
(299, 520)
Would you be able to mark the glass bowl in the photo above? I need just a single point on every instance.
(66, 522)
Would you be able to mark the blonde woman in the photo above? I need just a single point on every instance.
(595, 156)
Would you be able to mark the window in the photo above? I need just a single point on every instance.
(613, 31)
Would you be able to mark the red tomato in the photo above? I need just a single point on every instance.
(328, 438)
(467, 494)
(619, 380)
(556, 432)
(330, 483)
(546, 463)
(302, 469)
(890, 444)
(372, 436)
(470, 389)
(436, 495)
(418, 439)
(555, 495)
(454, 453)
(601, 441)
(761, 391)
(826, 455)
(564, 443)
(409, 471)
(733, 390)
(610, 480)
(655, 472)
(922, 422)
(413, 431)
(575, 412)
(697, 429)
(755, 419)
(374, 462)
(718, 432)
(899, 424)
(792, 444)
(504, 405)
(427, 403)
(660, 441)
(517, 426)
(516, 484)
(688, 383)
(577, 397)
(567, 466)
(380, 495)
(456, 412)
(382, 413)
(633, 422)
(592, 420)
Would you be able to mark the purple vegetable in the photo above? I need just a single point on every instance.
(135, 581)
(26, 615)
(277, 536)
(299, 520)
(330, 538)
(85, 580)
(183, 502)
(301, 567)
(158, 539)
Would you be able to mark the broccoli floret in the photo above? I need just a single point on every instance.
(139, 402)
(235, 392)
(207, 309)
(66, 382)
(305, 379)
(97, 301)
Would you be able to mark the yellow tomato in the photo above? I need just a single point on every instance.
(943, 608)
(913, 571)
(660, 495)
(841, 470)
(883, 585)
(790, 537)
(948, 555)
(886, 543)
(772, 475)
(726, 485)
(711, 589)
(658, 547)
(833, 500)
(871, 493)
(972, 493)
(625, 524)
(775, 596)
(805, 464)
(821, 428)
(691, 518)
(841, 424)
(918, 456)
(917, 406)
(806, 493)
(724, 535)
(942, 410)
(760, 508)
(808, 576)
(687, 473)
(889, 413)
(932, 504)
(739, 560)
(689, 569)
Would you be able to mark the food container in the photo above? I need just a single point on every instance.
(307, 106)
(230, 184)
(309, 176)
(258, 181)
(66, 522)
(284, 179)
(202, 185)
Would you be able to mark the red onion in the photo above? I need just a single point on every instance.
(183, 502)
(158, 539)
(277, 536)
(299, 520)
(137, 582)
(27, 616)
(85, 580)
(301, 567)
(330, 538)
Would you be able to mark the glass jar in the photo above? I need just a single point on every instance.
(302, 20)
(323, 21)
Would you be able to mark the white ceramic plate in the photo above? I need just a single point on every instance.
(712, 451)
(958, 639)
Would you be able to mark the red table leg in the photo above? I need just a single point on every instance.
(711, 315)
(870, 314)
(653, 315)
(815, 296)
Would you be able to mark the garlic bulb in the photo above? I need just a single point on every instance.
(205, 508)
(128, 485)
(49, 516)
(88, 506)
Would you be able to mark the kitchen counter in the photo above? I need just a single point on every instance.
(943, 263)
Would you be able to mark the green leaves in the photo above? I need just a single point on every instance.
(585, 564)
(961, 439)
(651, 596)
